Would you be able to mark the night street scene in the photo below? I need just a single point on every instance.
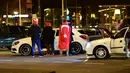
(64, 36)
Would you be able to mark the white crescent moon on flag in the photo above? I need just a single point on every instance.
(67, 26)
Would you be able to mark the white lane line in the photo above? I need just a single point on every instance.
(31, 61)
(96, 63)
(5, 60)
(60, 62)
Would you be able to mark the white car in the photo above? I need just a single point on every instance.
(23, 46)
(104, 48)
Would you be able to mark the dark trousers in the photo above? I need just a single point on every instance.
(50, 48)
(70, 47)
(39, 47)
(127, 40)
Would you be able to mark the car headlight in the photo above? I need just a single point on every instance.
(15, 43)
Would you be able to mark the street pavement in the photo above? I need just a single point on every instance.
(44, 59)
(7, 56)
(12, 63)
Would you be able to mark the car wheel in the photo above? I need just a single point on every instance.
(25, 50)
(101, 53)
(76, 48)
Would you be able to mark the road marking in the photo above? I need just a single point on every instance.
(60, 62)
(5, 60)
(95, 63)
(74, 61)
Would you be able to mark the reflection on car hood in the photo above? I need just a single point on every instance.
(26, 39)
(99, 41)
(95, 38)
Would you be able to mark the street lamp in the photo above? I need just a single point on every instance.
(20, 12)
(15, 13)
(62, 7)
(15, 17)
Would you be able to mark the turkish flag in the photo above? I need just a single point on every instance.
(64, 37)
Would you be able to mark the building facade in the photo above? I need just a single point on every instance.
(80, 12)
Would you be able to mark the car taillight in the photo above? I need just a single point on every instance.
(83, 37)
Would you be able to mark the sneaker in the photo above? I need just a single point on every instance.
(47, 55)
(60, 55)
(70, 54)
(52, 54)
(40, 56)
(33, 56)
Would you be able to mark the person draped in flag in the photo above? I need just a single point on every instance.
(64, 37)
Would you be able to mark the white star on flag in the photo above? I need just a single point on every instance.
(65, 36)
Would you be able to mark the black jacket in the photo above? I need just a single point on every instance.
(71, 35)
(35, 32)
(48, 35)
(126, 24)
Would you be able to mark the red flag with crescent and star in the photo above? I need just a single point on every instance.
(64, 36)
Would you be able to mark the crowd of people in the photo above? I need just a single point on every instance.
(65, 37)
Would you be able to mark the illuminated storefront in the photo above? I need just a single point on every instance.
(53, 15)
(110, 15)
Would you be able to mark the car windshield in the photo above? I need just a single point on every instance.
(95, 31)
(90, 32)
(81, 31)
(120, 34)
(106, 33)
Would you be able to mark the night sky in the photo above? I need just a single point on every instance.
(57, 3)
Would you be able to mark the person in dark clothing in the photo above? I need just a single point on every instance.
(71, 38)
(48, 37)
(127, 38)
(35, 36)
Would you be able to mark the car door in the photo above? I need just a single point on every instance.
(14, 34)
(4, 37)
(118, 42)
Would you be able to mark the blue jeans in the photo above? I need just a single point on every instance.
(39, 47)
(127, 40)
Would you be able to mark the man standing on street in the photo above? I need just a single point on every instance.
(71, 38)
(35, 36)
(127, 38)
(48, 38)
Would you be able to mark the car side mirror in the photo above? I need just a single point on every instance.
(113, 37)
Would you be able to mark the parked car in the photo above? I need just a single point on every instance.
(23, 46)
(10, 33)
(105, 47)
(95, 33)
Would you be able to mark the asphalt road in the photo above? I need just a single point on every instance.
(12, 63)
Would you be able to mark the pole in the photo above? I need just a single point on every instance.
(20, 12)
(62, 7)
(76, 16)
(6, 12)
